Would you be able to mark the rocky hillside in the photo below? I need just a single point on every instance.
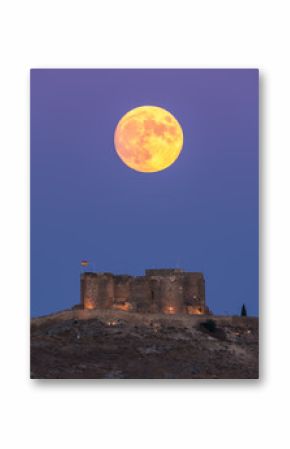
(78, 344)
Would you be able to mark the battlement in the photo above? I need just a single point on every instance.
(165, 290)
(162, 271)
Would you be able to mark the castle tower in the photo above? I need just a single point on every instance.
(97, 290)
(142, 294)
(167, 289)
(123, 292)
(171, 295)
(194, 293)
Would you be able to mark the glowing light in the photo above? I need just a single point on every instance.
(194, 310)
(148, 139)
(112, 323)
(170, 310)
(126, 307)
(89, 303)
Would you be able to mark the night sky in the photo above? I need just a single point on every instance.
(200, 214)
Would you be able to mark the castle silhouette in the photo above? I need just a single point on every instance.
(165, 290)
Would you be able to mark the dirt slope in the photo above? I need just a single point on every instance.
(79, 344)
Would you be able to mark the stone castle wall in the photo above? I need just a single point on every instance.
(168, 291)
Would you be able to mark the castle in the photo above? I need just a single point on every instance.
(167, 291)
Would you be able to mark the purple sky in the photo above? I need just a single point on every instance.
(200, 214)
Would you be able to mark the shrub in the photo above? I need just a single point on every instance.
(209, 325)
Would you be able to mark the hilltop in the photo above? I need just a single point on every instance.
(107, 344)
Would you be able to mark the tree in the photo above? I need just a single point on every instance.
(243, 310)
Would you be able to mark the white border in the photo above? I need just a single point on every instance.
(168, 414)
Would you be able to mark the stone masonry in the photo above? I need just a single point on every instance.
(167, 291)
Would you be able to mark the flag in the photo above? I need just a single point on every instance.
(84, 263)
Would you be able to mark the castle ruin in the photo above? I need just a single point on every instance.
(168, 291)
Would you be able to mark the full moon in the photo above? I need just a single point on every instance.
(148, 139)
